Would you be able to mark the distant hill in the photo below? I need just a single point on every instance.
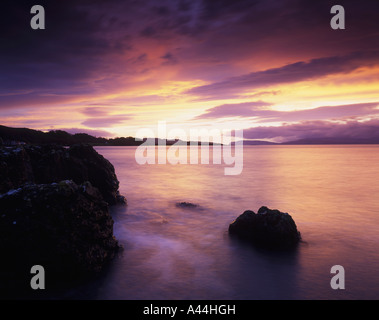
(316, 141)
(257, 143)
(24, 135)
(333, 140)
(11, 136)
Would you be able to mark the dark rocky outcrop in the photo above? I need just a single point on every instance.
(62, 226)
(54, 212)
(267, 228)
(53, 163)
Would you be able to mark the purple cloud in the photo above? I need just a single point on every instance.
(169, 59)
(254, 109)
(94, 47)
(95, 112)
(246, 109)
(295, 72)
(100, 117)
(108, 121)
(347, 131)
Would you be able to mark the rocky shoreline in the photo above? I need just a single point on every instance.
(52, 163)
(54, 212)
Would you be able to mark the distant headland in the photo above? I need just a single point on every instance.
(16, 136)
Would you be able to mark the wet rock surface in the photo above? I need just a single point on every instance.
(53, 163)
(65, 227)
(54, 213)
(267, 228)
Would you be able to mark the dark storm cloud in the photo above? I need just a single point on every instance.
(89, 45)
(214, 9)
(254, 109)
(63, 58)
(184, 5)
(161, 10)
(350, 130)
(148, 32)
(279, 33)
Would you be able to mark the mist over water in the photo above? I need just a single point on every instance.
(179, 253)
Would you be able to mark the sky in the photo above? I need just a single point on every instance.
(273, 68)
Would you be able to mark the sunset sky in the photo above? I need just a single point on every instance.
(274, 68)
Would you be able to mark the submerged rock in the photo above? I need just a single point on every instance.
(64, 227)
(53, 163)
(268, 228)
(187, 205)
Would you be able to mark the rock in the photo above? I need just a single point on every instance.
(65, 227)
(95, 168)
(187, 205)
(268, 228)
(15, 168)
(121, 199)
(52, 163)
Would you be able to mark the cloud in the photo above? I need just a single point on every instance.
(263, 93)
(294, 72)
(104, 122)
(95, 112)
(259, 111)
(101, 118)
(246, 109)
(108, 51)
(86, 48)
(356, 130)
(85, 41)
(229, 96)
(169, 59)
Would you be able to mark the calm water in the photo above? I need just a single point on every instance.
(173, 253)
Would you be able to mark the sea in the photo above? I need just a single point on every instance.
(179, 253)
